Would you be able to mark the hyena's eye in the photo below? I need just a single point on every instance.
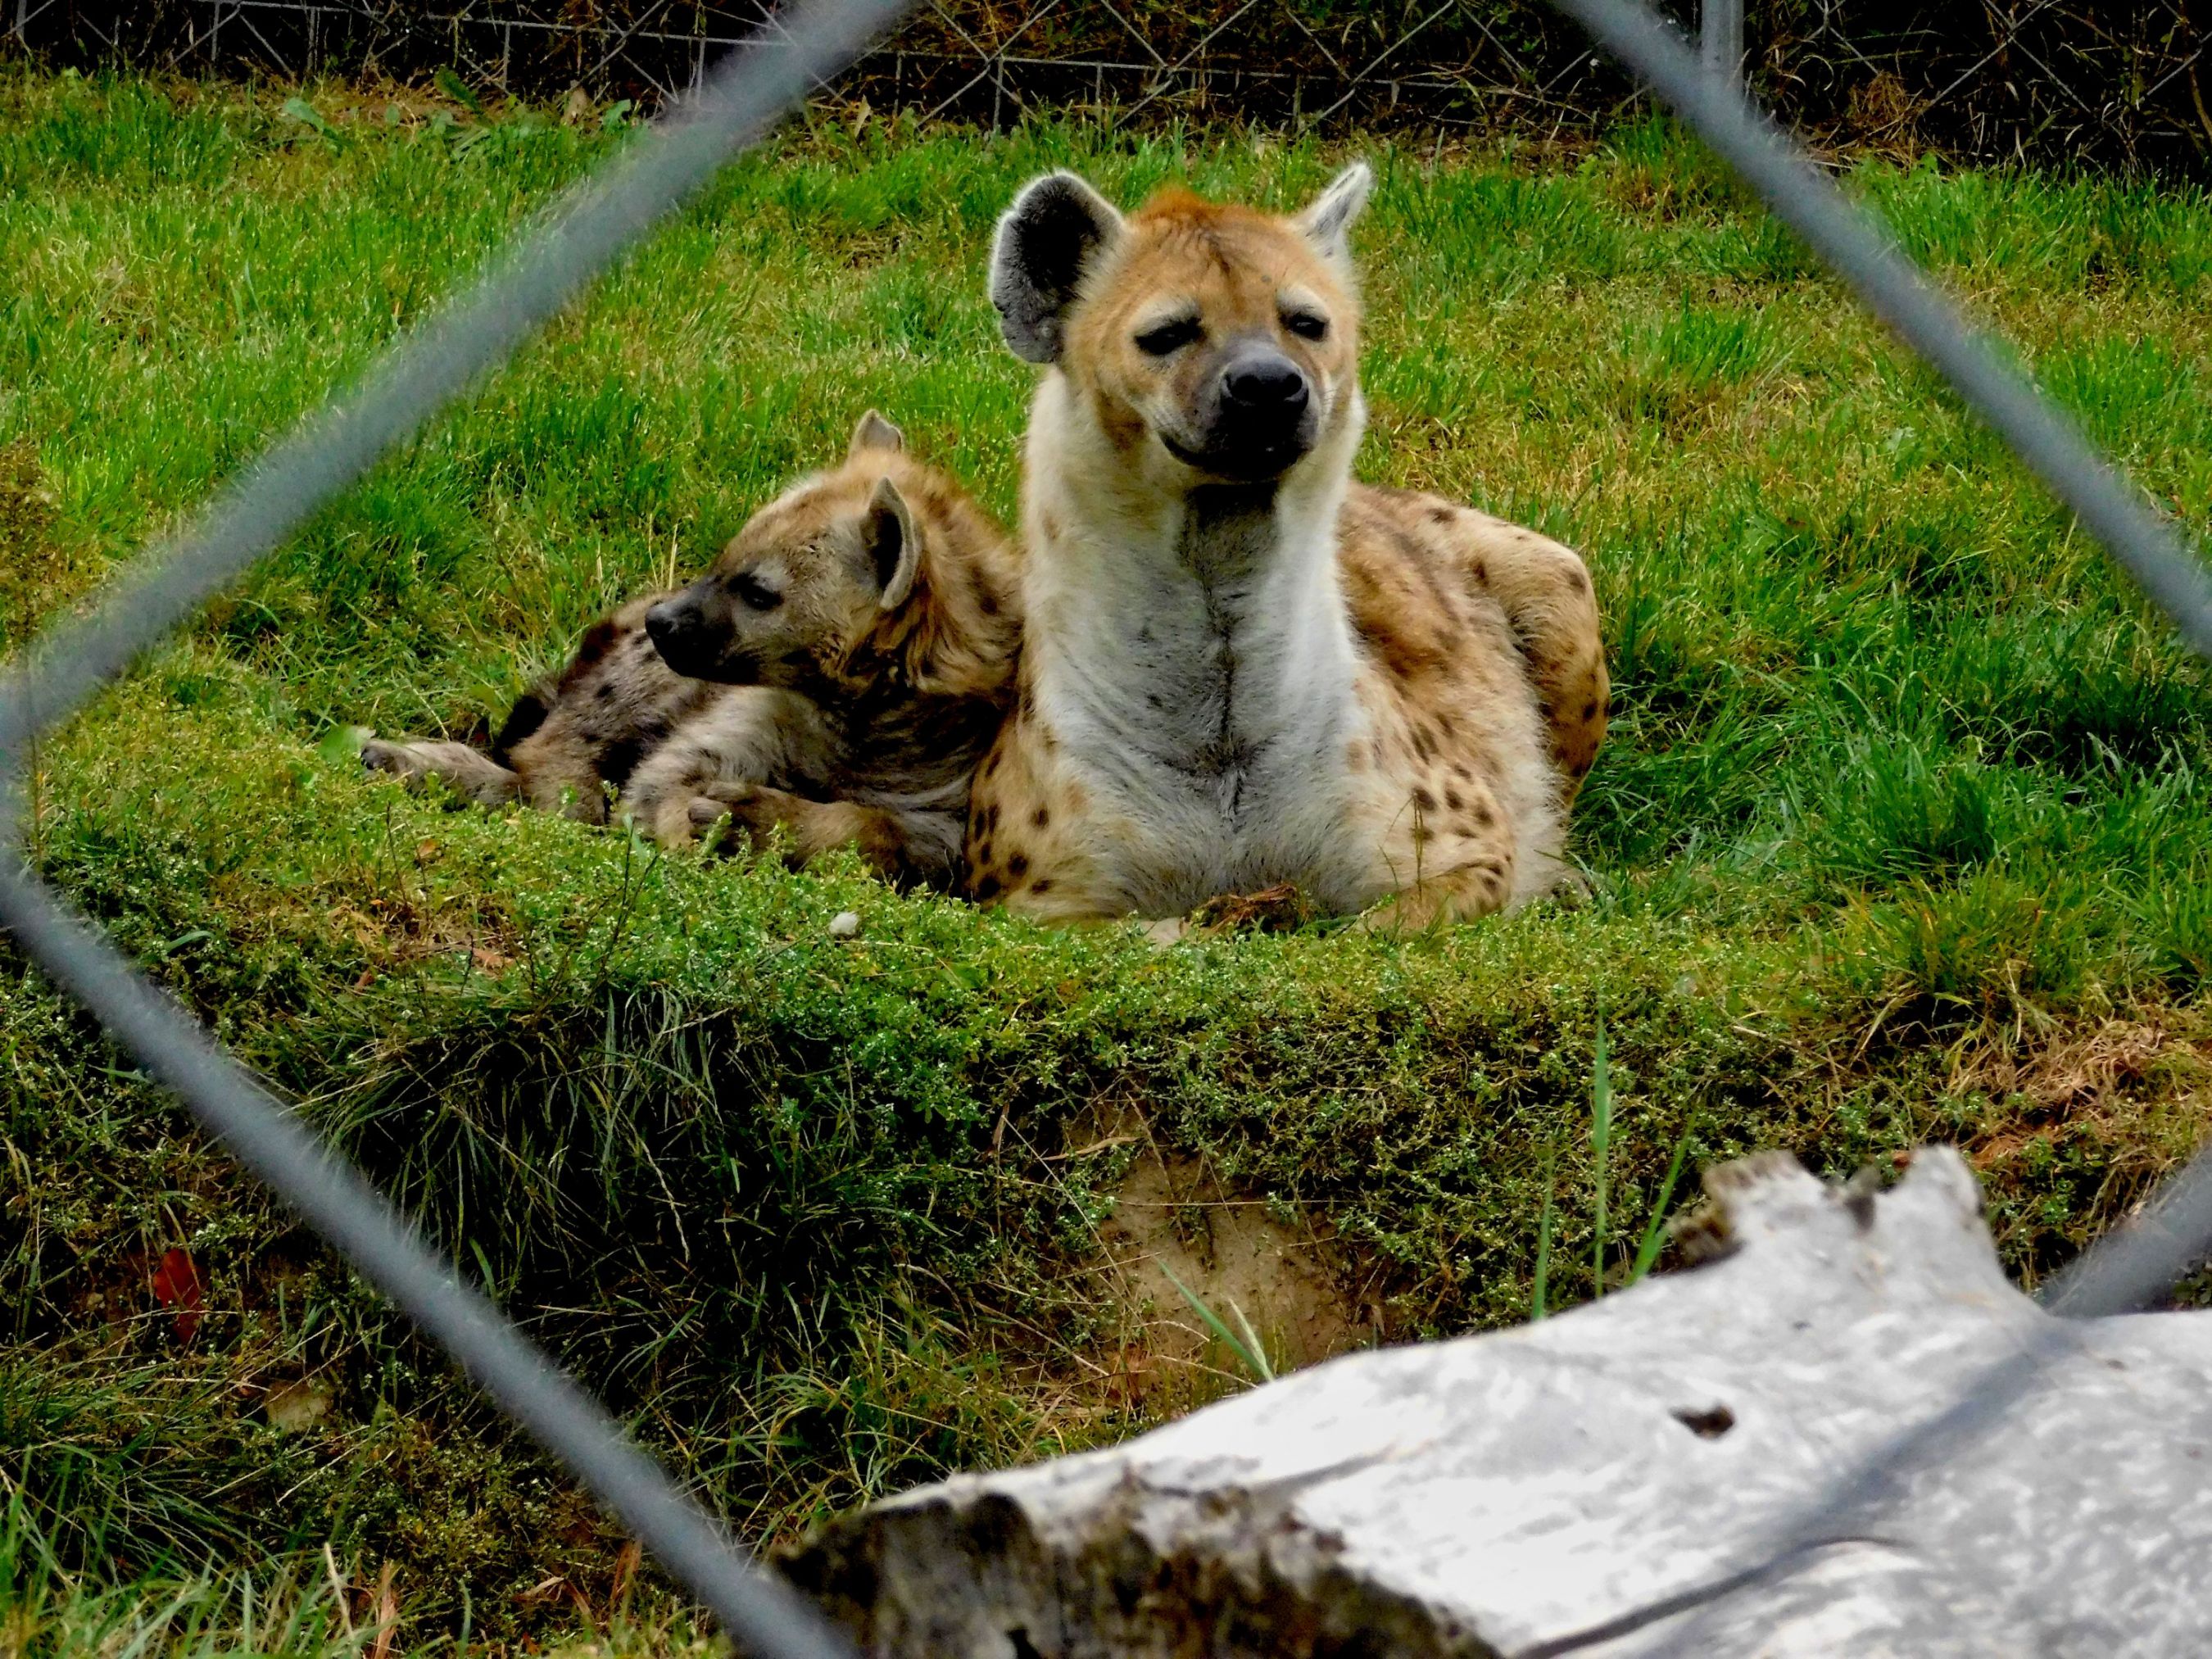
(757, 594)
(1306, 324)
(1164, 339)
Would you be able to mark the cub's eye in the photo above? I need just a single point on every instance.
(1162, 340)
(1306, 324)
(754, 592)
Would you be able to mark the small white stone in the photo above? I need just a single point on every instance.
(846, 924)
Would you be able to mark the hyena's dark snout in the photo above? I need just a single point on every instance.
(680, 631)
(1263, 415)
(1265, 385)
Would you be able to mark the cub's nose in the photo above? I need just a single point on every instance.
(674, 626)
(1265, 382)
(667, 621)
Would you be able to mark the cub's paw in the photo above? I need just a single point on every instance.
(722, 820)
(398, 758)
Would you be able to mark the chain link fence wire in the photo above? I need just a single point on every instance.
(2061, 82)
(592, 226)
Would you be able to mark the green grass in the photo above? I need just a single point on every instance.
(1902, 832)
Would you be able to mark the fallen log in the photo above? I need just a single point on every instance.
(1642, 1476)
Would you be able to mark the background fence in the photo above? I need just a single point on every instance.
(596, 223)
(1992, 82)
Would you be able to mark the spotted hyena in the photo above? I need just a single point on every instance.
(1243, 669)
(836, 674)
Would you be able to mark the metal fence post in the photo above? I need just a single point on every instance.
(1720, 39)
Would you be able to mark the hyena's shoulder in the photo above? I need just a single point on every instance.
(1418, 620)
(1541, 587)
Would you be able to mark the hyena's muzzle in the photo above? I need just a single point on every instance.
(1255, 417)
(696, 641)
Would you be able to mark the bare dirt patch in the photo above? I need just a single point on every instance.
(1173, 1221)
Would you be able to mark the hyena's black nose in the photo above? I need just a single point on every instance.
(675, 628)
(665, 622)
(1265, 381)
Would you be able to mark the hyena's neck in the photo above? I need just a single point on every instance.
(1206, 631)
(888, 739)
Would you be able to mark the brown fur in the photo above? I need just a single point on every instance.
(1544, 591)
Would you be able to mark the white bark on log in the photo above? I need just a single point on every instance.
(1559, 1488)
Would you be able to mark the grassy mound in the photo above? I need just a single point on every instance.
(1902, 833)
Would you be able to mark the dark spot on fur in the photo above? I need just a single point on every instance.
(1043, 886)
(987, 888)
(522, 720)
(620, 758)
(991, 816)
(1483, 815)
(606, 690)
(1153, 699)
(1590, 711)
(1019, 865)
(1452, 799)
(1481, 570)
(1440, 514)
(599, 639)
(1444, 723)
(1578, 581)
(1400, 656)
(1422, 799)
(1041, 817)
(987, 601)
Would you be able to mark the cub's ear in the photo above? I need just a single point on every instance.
(1327, 220)
(893, 544)
(1057, 227)
(874, 432)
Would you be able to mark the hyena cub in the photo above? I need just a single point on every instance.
(838, 672)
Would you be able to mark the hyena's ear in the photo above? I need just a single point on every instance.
(874, 432)
(1327, 221)
(1057, 227)
(893, 542)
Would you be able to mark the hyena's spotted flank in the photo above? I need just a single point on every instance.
(1242, 669)
(836, 675)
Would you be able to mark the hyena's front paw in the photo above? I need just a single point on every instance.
(680, 818)
(747, 815)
